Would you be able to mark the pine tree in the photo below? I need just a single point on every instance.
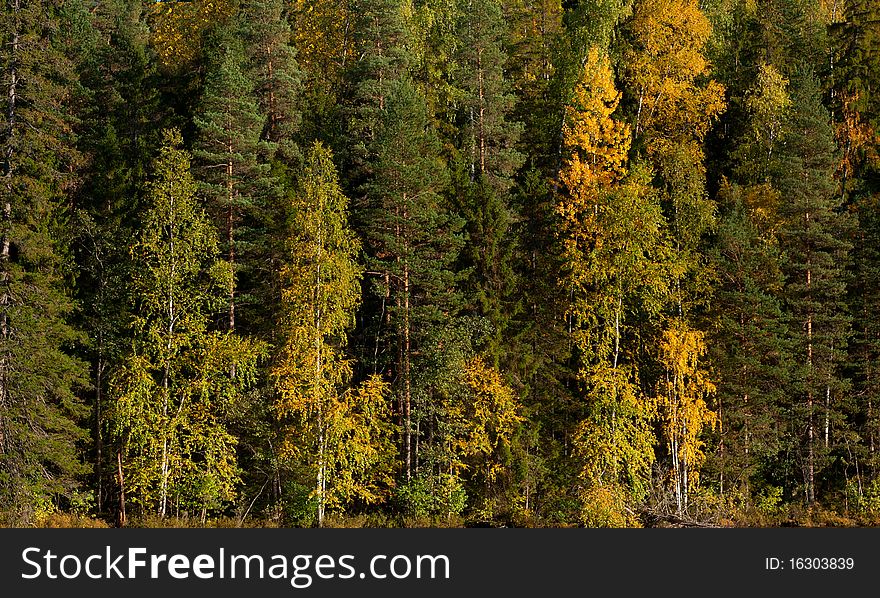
(232, 166)
(380, 44)
(488, 137)
(275, 72)
(814, 236)
(748, 344)
(412, 243)
(486, 148)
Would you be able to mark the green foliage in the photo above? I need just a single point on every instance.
(40, 370)
(440, 496)
(568, 263)
(342, 435)
(815, 236)
(174, 389)
(231, 164)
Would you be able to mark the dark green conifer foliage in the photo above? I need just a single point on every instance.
(748, 347)
(380, 38)
(276, 75)
(814, 237)
(118, 129)
(864, 295)
(486, 149)
(39, 375)
(232, 166)
(488, 137)
(412, 242)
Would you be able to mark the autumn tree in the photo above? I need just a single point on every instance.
(613, 245)
(470, 417)
(179, 28)
(767, 105)
(172, 392)
(343, 434)
(673, 110)
(683, 398)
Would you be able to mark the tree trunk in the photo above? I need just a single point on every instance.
(120, 516)
(407, 369)
(319, 376)
(5, 292)
(99, 438)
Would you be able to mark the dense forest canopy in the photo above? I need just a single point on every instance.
(440, 262)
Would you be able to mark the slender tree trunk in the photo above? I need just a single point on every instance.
(166, 373)
(230, 240)
(120, 518)
(811, 465)
(8, 169)
(319, 377)
(271, 133)
(407, 371)
(827, 414)
(482, 112)
(99, 438)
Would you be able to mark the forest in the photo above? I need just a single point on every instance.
(407, 263)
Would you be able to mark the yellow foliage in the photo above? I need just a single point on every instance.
(598, 145)
(178, 27)
(605, 506)
(489, 415)
(857, 139)
(321, 33)
(616, 442)
(763, 203)
(682, 402)
(664, 66)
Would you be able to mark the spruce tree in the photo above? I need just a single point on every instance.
(39, 377)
